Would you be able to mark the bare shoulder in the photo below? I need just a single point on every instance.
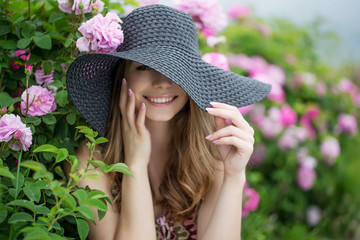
(83, 154)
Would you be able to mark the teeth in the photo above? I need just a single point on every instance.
(161, 100)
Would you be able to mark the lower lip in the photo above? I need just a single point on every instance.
(161, 104)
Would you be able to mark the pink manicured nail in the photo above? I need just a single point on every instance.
(209, 110)
(208, 136)
(216, 141)
(123, 82)
(142, 105)
(130, 92)
(213, 103)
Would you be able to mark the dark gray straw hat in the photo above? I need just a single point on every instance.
(164, 39)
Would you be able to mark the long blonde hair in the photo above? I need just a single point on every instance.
(190, 170)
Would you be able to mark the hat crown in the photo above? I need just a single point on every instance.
(159, 25)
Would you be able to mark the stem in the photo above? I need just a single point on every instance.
(6, 8)
(17, 174)
(29, 10)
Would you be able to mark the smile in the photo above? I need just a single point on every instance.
(160, 101)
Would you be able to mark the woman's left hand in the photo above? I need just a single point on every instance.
(235, 142)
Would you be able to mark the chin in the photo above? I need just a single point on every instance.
(162, 117)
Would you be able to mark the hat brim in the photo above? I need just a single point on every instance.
(90, 80)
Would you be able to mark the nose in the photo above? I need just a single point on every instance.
(160, 81)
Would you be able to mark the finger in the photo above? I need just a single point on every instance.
(236, 142)
(232, 131)
(130, 109)
(234, 116)
(123, 97)
(219, 123)
(140, 121)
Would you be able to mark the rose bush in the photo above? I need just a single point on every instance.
(302, 176)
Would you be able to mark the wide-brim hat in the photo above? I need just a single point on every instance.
(164, 39)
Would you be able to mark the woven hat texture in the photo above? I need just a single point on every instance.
(164, 39)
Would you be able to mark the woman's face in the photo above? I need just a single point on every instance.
(163, 98)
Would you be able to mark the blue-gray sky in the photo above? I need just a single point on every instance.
(341, 16)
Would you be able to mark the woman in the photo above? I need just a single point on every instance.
(165, 113)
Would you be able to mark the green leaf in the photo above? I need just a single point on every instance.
(34, 120)
(47, 66)
(43, 41)
(5, 26)
(61, 129)
(8, 44)
(23, 43)
(96, 203)
(81, 195)
(102, 165)
(49, 119)
(71, 118)
(70, 200)
(61, 97)
(69, 40)
(83, 228)
(4, 171)
(42, 210)
(23, 203)
(47, 148)
(35, 166)
(101, 214)
(86, 211)
(101, 140)
(62, 155)
(20, 180)
(96, 194)
(55, 16)
(120, 167)
(28, 29)
(6, 100)
(20, 217)
(32, 191)
(3, 214)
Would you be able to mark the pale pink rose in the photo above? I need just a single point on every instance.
(212, 40)
(321, 88)
(83, 44)
(103, 33)
(41, 78)
(208, 15)
(330, 148)
(346, 86)
(98, 6)
(257, 114)
(11, 127)
(291, 137)
(347, 123)
(239, 11)
(264, 29)
(288, 116)
(311, 113)
(307, 161)
(41, 101)
(304, 78)
(244, 110)
(65, 5)
(306, 177)
(313, 215)
(270, 128)
(241, 61)
(81, 4)
(217, 59)
(148, 2)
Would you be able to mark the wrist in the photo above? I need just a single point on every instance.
(238, 178)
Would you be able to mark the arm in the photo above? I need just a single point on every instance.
(235, 144)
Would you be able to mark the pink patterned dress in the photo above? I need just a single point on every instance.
(167, 229)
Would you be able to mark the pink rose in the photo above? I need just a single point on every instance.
(217, 59)
(212, 40)
(252, 199)
(330, 148)
(306, 177)
(98, 6)
(103, 33)
(41, 78)
(11, 127)
(258, 155)
(347, 123)
(207, 14)
(239, 11)
(313, 215)
(81, 4)
(288, 116)
(148, 2)
(41, 101)
(65, 5)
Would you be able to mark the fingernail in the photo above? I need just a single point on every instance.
(216, 141)
(213, 103)
(123, 82)
(130, 92)
(208, 136)
(142, 105)
(209, 109)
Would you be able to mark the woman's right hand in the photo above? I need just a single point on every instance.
(136, 137)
